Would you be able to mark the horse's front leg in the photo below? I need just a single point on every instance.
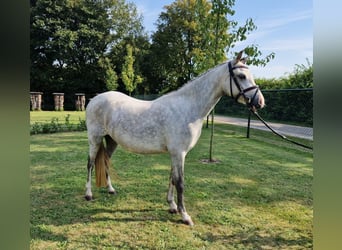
(181, 207)
(178, 181)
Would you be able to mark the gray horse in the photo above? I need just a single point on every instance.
(171, 123)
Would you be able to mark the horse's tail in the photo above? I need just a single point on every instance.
(102, 163)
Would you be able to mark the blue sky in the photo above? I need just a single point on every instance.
(284, 27)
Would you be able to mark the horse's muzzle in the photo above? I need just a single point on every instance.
(257, 101)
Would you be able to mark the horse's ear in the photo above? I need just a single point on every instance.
(238, 58)
(244, 60)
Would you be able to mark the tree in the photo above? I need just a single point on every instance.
(140, 49)
(110, 76)
(125, 23)
(129, 78)
(67, 39)
(180, 44)
(72, 42)
(195, 35)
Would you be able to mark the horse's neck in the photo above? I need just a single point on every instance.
(205, 91)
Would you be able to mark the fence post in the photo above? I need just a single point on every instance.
(249, 123)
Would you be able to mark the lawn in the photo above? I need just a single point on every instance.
(258, 196)
(46, 116)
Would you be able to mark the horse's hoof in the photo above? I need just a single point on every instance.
(112, 192)
(187, 219)
(173, 211)
(189, 223)
(88, 197)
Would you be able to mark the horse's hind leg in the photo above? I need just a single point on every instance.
(170, 196)
(89, 195)
(110, 148)
(94, 145)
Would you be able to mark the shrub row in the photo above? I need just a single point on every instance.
(55, 126)
(294, 106)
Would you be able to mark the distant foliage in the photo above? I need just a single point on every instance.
(301, 77)
(110, 76)
(129, 77)
(291, 106)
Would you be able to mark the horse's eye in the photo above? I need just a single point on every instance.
(242, 76)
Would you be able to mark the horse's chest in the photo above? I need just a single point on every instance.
(196, 129)
(184, 137)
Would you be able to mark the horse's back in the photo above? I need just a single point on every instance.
(109, 102)
(111, 99)
(101, 107)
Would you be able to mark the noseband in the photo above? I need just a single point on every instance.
(242, 92)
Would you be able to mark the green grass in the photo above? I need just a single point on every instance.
(46, 116)
(259, 196)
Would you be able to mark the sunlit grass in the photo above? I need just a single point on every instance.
(46, 116)
(259, 196)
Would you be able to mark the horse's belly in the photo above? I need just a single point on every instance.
(140, 133)
(142, 146)
(145, 141)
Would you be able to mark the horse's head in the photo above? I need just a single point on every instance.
(241, 85)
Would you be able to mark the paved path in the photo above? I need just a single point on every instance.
(290, 130)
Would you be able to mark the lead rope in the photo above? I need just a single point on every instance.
(276, 133)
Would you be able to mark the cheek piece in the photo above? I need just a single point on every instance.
(242, 92)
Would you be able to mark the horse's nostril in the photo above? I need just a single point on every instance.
(261, 103)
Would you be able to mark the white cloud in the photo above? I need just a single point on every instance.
(283, 19)
(305, 43)
(270, 24)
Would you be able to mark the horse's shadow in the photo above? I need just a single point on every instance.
(132, 215)
(94, 215)
(43, 233)
(88, 211)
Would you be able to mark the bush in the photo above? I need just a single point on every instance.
(54, 126)
(300, 78)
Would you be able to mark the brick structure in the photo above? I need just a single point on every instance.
(59, 101)
(36, 100)
(80, 101)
